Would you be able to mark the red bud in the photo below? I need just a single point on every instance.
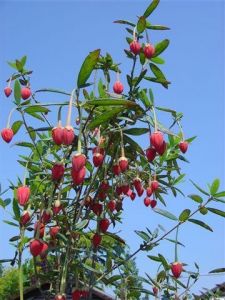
(183, 146)
(68, 135)
(98, 159)
(96, 240)
(149, 51)
(36, 247)
(25, 218)
(78, 176)
(135, 47)
(176, 269)
(39, 227)
(78, 161)
(153, 203)
(54, 231)
(25, 93)
(57, 135)
(147, 201)
(156, 139)
(111, 205)
(123, 163)
(58, 171)
(118, 87)
(7, 134)
(150, 154)
(7, 91)
(104, 225)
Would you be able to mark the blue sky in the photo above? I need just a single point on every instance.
(57, 35)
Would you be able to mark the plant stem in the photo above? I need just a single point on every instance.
(20, 265)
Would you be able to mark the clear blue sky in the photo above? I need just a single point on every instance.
(57, 35)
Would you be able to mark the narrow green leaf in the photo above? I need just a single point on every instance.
(134, 145)
(165, 214)
(114, 278)
(16, 126)
(35, 115)
(136, 131)
(24, 144)
(109, 102)
(87, 67)
(160, 47)
(200, 223)
(141, 24)
(215, 186)
(124, 22)
(143, 235)
(14, 238)
(217, 211)
(36, 109)
(158, 60)
(200, 189)
(155, 258)
(81, 225)
(105, 117)
(157, 27)
(23, 60)
(11, 223)
(196, 198)
(175, 242)
(184, 215)
(17, 92)
(16, 209)
(151, 8)
(220, 195)
(219, 270)
(91, 269)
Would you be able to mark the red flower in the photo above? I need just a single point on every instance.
(7, 91)
(23, 195)
(78, 161)
(78, 176)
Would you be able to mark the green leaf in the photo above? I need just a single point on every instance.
(35, 115)
(151, 8)
(82, 224)
(164, 262)
(175, 242)
(14, 238)
(23, 61)
(200, 189)
(143, 235)
(32, 133)
(109, 102)
(159, 75)
(16, 209)
(135, 146)
(144, 98)
(36, 109)
(114, 278)
(136, 131)
(200, 223)
(16, 126)
(87, 67)
(155, 258)
(7, 202)
(220, 195)
(184, 215)
(215, 186)
(91, 269)
(157, 27)
(141, 24)
(217, 211)
(141, 76)
(160, 47)
(196, 198)
(219, 270)
(162, 81)
(52, 91)
(158, 60)
(17, 92)
(103, 118)
(165, 214)
(10, 223)
(24, 144)
(124, 22)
